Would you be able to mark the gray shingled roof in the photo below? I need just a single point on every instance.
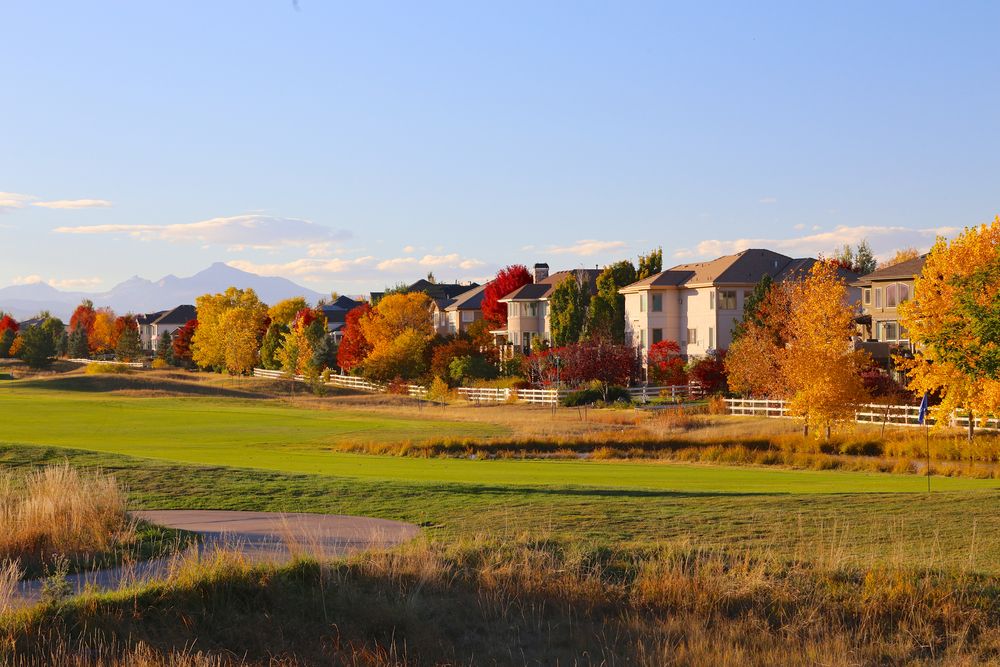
(543, 288)
(471, 300)
(179, 315)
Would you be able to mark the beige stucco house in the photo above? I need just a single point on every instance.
(528, 306)
(882, 292)
(697, 305)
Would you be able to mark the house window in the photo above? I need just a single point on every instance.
(890, 331)
(642, 302)
(657, 303)
(692, 336)
(727, 300)
(866, 295)
(711, 338)
(529, 309)
(657, 336)
(747, 295)
(468, 316)
(891, 293)
(878, 297)
(642, 339)
(711, 300)
(903, 292)
(515, 337)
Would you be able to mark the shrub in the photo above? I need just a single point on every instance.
(717, 405)
(160, 364)
(107, 369)
(591, 395)
(440, 391)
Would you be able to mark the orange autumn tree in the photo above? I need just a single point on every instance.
(102, 336)
(820, 369)
(954, 318)
(754, 360)
(399, 329)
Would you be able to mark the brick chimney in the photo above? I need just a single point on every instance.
(540, 272)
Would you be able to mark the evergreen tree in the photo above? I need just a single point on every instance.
(37, 347)
(79, 347)
(751, 306)
(62, 347)
(6, 340)
(269, 347)
(165, 348)
(129, 345)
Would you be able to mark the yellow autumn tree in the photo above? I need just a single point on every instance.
(900, 256)
(954, 319)
(399, 329)
(820, 368)
(284, 312)
(227, 325)
(753, 362)
(101, 339)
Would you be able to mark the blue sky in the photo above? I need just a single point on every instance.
(349, 146)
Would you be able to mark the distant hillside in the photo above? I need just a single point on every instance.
(139, 295)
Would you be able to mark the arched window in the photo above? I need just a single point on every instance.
(904, 292)
(891, 294)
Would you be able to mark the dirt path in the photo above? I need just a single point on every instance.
(260, 536)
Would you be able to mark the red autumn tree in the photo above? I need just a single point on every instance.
(506, 281)
(354, 347)
(84, 317)
(710, 372)
(597, 360)
(666, 366)
(8, 323)
(182, 342)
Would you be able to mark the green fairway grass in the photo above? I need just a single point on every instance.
(273, 436)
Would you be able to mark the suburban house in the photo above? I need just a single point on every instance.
(881, 293)
(697, 305)
(172, 320)
(461, 312)
(528, 306)
(145, 324)
(436, 291)
(336, 316)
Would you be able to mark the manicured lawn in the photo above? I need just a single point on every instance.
(270, 435)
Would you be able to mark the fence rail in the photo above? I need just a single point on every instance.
(868, 413)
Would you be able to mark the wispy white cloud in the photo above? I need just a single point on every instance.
(768, 200)
(883, 239)
(240, 232)
(586, 247)
(408, 249)
(73, 203)
(304, 267)
(451, 260)
(12, 200)
(59, 283)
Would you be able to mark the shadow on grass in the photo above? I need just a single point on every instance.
(109, 383)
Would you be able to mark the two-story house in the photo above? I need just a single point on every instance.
(881, 293)
(336, 316)
(528, 306)
(463, 310)
(171, 321)
(698, 305)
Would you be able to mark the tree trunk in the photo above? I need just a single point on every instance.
(972, 426)
(805, 429)
(827, 431)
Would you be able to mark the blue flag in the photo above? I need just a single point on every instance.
(922, 415)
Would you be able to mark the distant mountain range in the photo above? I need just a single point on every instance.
(138, 295)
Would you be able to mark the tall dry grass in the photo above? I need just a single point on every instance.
(59, 510)
(526, 599)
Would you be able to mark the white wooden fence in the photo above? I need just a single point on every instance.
(507, 395)
(348, 381)
(868, 413)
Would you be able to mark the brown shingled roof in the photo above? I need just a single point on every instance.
(745, 267)
(903, 271)
(543, 288)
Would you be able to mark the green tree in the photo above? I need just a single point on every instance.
(79, 347)
(864, 259)
(271, 345)
(37, 347)
(752, 315)
(606, 315)
(6, 340)
(650, 264)
(165, 348)
(567, 312)
(128, 347)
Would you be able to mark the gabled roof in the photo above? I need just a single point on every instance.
(148, 318)
(440, 290)
(180, 315)
(903, 271)
(543, 288)
(342, 303)
(470, 300)
(743, 268)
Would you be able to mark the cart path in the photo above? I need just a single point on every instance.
(260, 536)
